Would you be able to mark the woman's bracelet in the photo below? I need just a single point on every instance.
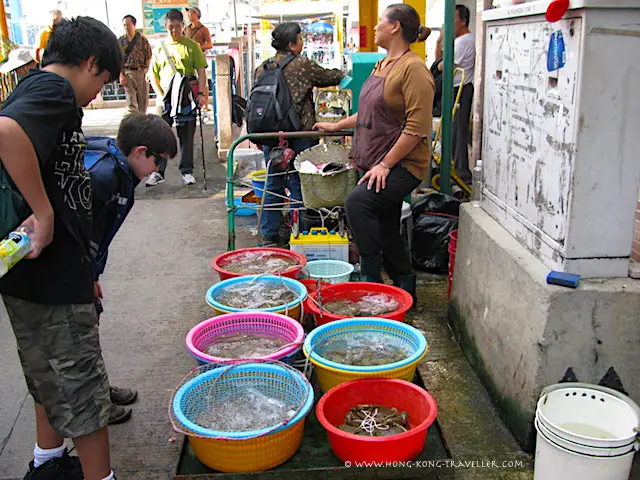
(385, 166)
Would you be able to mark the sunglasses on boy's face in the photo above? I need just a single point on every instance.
(159, 159)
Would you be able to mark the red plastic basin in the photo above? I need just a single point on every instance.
(403, 395)
(218, 263)
(354, 291)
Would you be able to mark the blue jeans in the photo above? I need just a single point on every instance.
(270, 223)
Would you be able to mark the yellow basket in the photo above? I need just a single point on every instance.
(258, 175)
(252, 455)
(329, 377)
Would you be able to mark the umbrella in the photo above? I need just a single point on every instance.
(320, 27)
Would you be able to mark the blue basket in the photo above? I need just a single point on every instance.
(245, 209)
(406, 333)
(297, 287)
(271, 379)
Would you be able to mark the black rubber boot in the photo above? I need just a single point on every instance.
(408, 284)
(370, 269)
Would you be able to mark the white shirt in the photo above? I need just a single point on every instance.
(464, 57)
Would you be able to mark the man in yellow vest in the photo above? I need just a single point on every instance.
(45, 33)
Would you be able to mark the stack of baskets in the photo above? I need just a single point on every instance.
(292, 309)
(249, 451)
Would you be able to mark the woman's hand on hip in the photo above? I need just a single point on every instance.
(326, 126)
(378, 176)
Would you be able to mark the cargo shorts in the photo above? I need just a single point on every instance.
(59, 348)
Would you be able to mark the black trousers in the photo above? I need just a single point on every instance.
(461, 132)
(374, 219)
(186, 133)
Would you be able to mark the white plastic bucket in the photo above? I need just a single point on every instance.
(585, 449)
(585, 431)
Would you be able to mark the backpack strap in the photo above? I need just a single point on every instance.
(169, 58)
(97, 149)
(286, 61)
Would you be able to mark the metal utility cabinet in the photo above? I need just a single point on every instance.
(561, 138)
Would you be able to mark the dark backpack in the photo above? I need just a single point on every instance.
(13, 207)
(270, 107)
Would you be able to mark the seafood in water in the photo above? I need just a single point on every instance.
(375, 421)
(364, 349)
(244, 345)
(371, 305)
(246, 410)
(257, 294)
(258, 262)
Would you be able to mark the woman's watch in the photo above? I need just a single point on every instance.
(201, 94)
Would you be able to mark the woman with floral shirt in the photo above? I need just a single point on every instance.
(301, 75)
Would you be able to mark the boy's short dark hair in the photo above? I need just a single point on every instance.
(151, 131)
(175, 14)
(132, 18)
(464, 14)
(74, 41)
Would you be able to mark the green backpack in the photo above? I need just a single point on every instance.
(13, 208)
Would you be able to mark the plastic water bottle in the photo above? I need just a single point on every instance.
(476, 186)
(13, 249)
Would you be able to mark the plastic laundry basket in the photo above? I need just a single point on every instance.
(330, 271)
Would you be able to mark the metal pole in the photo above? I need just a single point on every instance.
(235, 18)
(251, 55)
(447, 97)
(106, 10)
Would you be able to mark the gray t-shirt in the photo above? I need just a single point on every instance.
(465, 58)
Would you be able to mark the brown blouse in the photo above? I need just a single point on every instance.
(409, 90)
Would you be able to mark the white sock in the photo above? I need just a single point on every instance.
(110, 477)
(42, 455)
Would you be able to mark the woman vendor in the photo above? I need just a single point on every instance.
(390, 146)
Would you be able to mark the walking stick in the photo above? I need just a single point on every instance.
(204, 166)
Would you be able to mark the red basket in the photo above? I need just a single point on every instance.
(220, 261)
(354, 291)
(403, 395)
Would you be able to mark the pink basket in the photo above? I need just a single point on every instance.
(259, 323)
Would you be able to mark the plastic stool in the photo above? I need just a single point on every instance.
(406, 218)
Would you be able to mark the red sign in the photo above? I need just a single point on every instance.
(363, 36)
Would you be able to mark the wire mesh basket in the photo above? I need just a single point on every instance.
(326, 191)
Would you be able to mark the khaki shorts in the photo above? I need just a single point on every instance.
(59, 348)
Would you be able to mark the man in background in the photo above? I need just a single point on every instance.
(20, 61)
(465, 59)
(45, 33)
(200, 34)
(137, 57)
(177, 57)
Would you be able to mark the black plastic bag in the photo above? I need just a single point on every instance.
(239, 105)
(434, 217)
